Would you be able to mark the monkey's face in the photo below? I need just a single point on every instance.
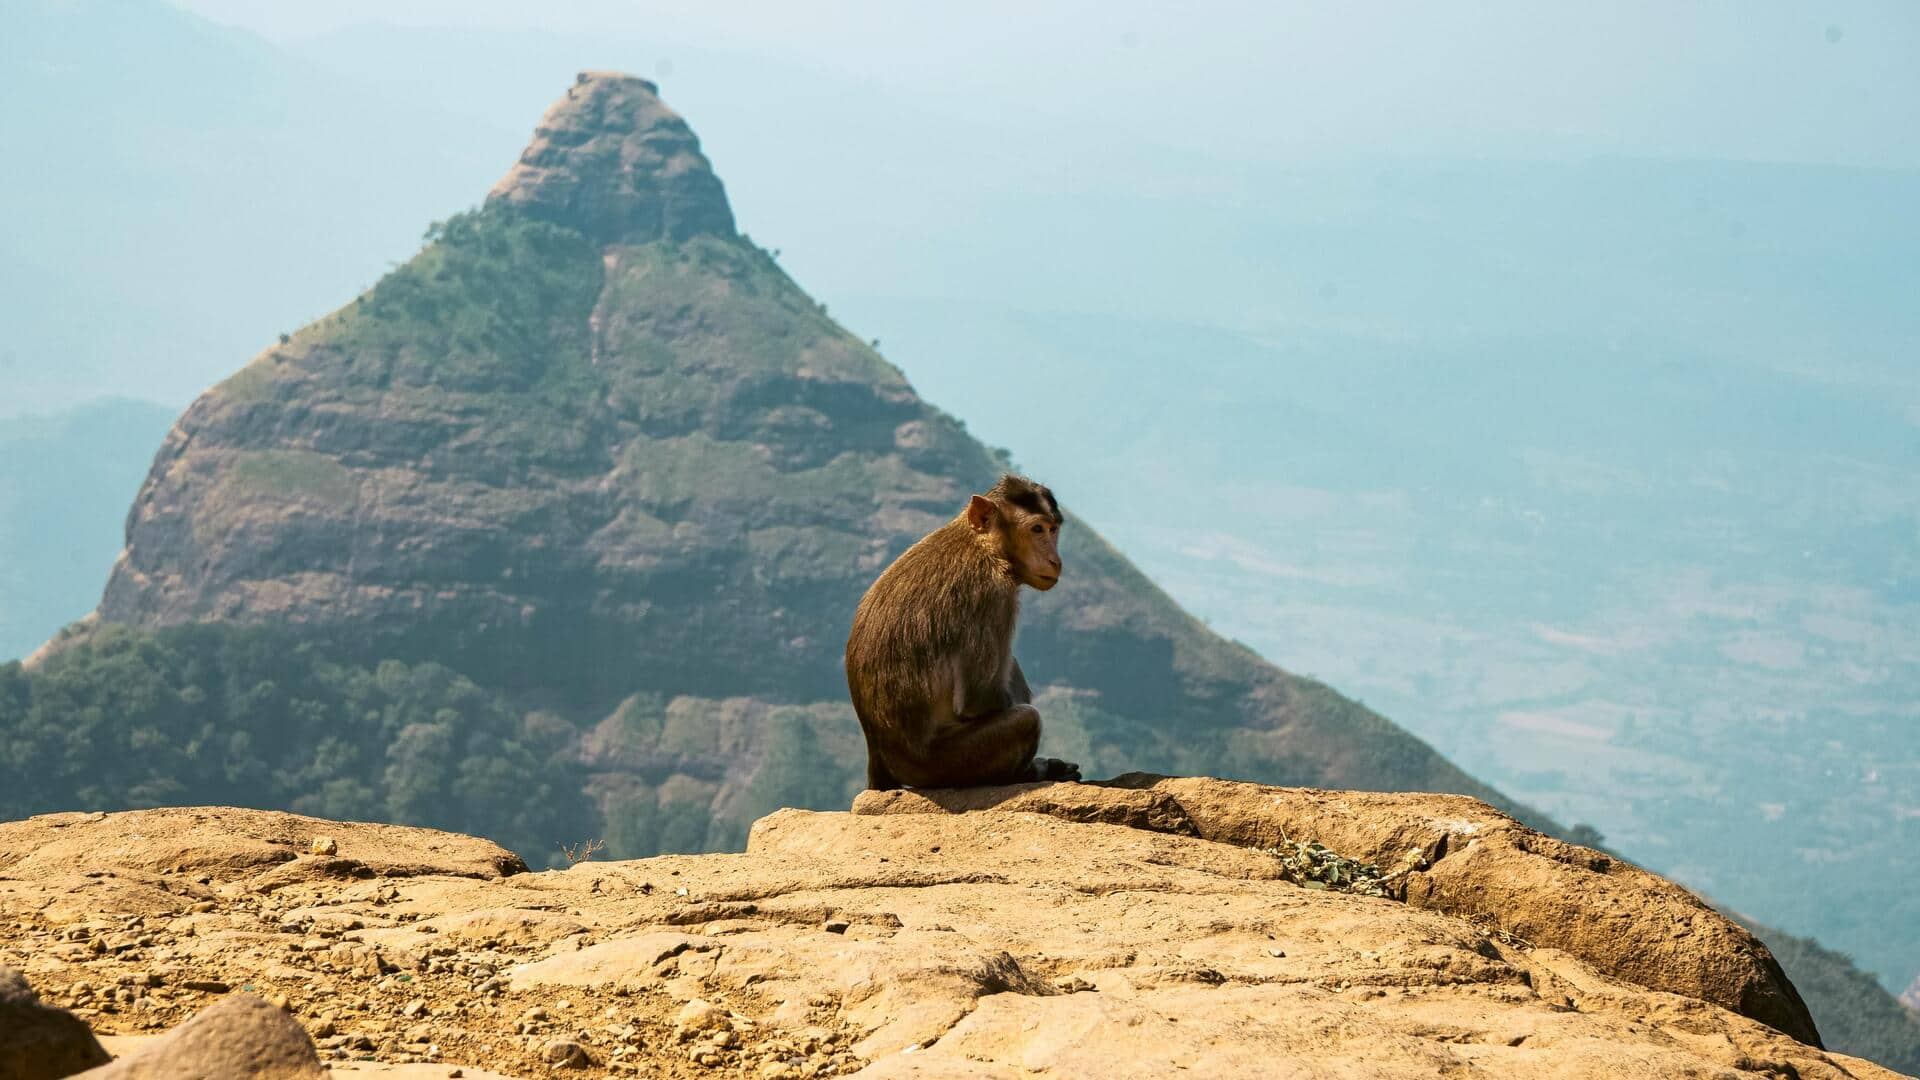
(1033, 547)
(1024, 531)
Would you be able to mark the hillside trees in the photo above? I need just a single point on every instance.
(248, 717)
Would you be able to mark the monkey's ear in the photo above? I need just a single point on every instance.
(980, 513)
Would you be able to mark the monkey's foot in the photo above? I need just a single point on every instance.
(1046, 768)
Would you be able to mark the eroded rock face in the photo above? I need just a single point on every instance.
(39, 1041)
(611, 160)
(991, 943)
(1455, 855)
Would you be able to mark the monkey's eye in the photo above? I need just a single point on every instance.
(1038, 529)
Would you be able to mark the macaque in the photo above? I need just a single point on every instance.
(930, 661)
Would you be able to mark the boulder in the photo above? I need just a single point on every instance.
(39, 1041)
(243, 1037)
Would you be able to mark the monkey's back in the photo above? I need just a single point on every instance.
(944, 606)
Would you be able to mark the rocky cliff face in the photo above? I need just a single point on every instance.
(593, 446)
(613, 162)
(1148, 927)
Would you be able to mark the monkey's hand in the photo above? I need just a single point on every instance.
(1046, 768)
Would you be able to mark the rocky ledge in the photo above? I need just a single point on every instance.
(1140, 927)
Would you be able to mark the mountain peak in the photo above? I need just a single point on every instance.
(612, 160)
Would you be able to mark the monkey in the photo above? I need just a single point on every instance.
(930, 664)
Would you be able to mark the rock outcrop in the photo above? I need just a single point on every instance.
(1074, 930)
(266, 846)
(1454, 855)
(614, 162)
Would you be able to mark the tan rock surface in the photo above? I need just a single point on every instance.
(1458, 856)
(985, 944)
(227, 841)
(123, 1045)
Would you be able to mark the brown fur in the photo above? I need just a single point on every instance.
(930, 661)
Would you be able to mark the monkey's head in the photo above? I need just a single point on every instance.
(1019, 521)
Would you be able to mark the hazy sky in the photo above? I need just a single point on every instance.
(1834, 83)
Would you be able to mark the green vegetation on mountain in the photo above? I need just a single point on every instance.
(216, 714)
(492, 304)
